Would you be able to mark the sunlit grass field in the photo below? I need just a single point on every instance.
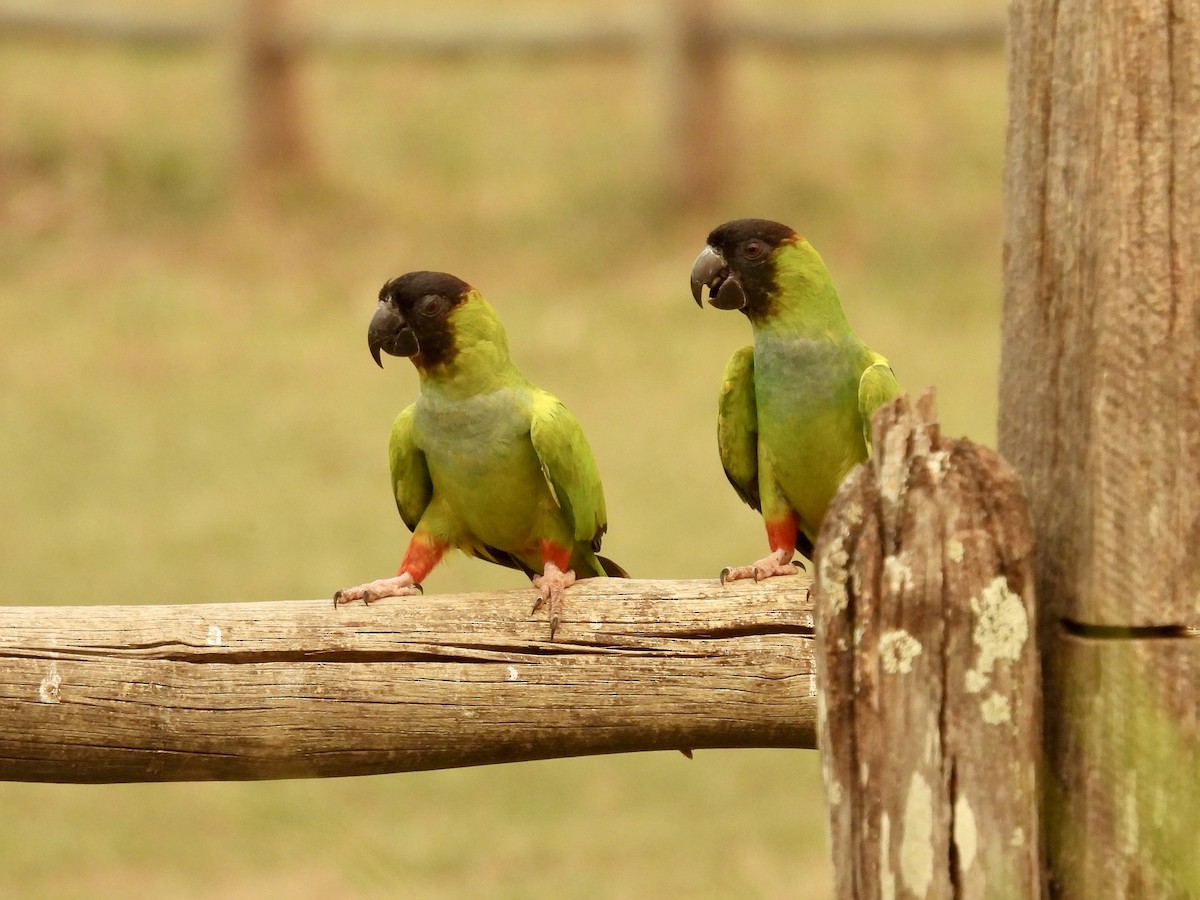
(188, 411)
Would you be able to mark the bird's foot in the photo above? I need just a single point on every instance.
(551, 584)
(778, 563)
(400, 586)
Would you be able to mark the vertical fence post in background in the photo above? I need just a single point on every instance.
(929, 703)
(274, 143)
(694, 70)
(1100, 412)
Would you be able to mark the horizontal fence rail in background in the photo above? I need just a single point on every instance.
(566, 35)
(692, 38)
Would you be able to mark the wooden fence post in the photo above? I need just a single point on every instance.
(694, 55)
(274, 141)
(1100, 412)
(929, 712)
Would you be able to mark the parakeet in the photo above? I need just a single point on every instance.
(484, 461)
(794, 415)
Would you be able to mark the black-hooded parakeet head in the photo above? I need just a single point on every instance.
(740, 264)
(414, 317)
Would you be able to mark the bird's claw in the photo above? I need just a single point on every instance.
(349, 595)
(554, 618)
(400, 586)
(778, 563)
(550, 585)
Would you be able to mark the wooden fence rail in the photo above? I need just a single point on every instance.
(299, 689)
(566, 34)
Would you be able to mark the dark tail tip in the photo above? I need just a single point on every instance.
(611, 569)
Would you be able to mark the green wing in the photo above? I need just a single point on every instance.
(877, 386)
(737, 427)
(569, 467)
(410, 475)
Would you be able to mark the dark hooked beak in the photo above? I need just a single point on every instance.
(390, 333)
(724, 289)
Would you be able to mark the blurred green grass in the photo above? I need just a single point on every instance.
(189, 412)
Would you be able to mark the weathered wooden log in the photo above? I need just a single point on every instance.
(1100, 413)
(929, 706)
(290, 690)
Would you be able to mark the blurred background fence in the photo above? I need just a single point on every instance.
(686, 39)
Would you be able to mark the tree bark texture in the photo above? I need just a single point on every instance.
(1100, 393)
(930, 712)
(1100, 413)
(300, 689)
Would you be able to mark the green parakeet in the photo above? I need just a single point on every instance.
(484, 461)
(794, 413)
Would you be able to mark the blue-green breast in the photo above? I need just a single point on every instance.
(808, 418)
(481, 462)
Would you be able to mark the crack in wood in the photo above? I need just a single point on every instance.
(356, 657)
(1129, 632)
(484, 653)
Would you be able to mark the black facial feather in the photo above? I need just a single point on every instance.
(424, 300)
(407, 288)
(741, 230)
(748, 246)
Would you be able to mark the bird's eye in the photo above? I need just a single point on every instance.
(754, 249)
(431, 305)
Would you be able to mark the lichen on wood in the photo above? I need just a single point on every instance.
(930, 713)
